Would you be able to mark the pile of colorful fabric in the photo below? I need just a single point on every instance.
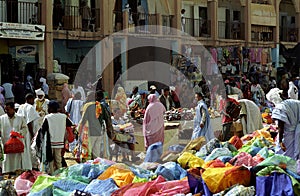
(240, 166)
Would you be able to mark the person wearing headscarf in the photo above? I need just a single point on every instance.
(41, 104)
(287, 113)
(66, 95)
(293, 91)
(2, 98)
(202, 123)
(29, 87)
(274, 96)
(9, 95)
(73, 108)
(31, 116)
(44, 86)
(54, 126)
(79, 89)
(14, 122)
(121, 99)
(153, 124)
(250, 116)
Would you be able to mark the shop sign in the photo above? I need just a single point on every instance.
(22, 31)
(28, 51)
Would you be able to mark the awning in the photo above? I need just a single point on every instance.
(262, 14)
(164, 7)
(202, 3)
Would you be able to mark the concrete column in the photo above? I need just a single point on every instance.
(107, 65)
(213, 10)
(177, 15)
(277, 28)
(298, 25)
(159, 23)
(125, 22)
(48, 46)
(106, 14)
(247, 16)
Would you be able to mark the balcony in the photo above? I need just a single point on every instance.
(231, 30)
(197, 27)
(71, 18)
(168, 24)
(145, 24)
(20, 12)
(262, 33)
(288, 34)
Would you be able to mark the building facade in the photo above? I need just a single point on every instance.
(68, 30)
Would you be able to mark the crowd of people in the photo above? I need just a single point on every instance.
(42, 125)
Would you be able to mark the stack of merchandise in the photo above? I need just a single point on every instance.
(240, 166)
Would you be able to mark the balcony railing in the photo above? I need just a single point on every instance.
(144, 24)
(262, 33)
(20, 12)
(70, 18)
(168, 24)
(288, 34)
(197, 27)
(231, 30)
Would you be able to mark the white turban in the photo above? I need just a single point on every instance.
(39, 92)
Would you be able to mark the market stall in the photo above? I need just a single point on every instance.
(240, 166)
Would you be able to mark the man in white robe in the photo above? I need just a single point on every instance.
(12, 121)
(28, 111)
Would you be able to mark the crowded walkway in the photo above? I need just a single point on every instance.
(258, 129)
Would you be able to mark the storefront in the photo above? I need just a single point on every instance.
(71, 53)
(22, 51)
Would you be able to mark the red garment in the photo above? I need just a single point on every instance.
(175, 96)
(223, 103)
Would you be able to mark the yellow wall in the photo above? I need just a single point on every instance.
(3, 46)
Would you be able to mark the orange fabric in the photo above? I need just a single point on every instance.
(120, 173)
(219, 179)
(236, 141)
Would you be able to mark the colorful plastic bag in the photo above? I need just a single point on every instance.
(13, 144)
(24, 182)
(154, 152)
(121, 174)
(43, 185)
(275, 184)
(171, 171)
(188, 160)
(101, 187)
(197, 185)
(138, 189)
(219, 179)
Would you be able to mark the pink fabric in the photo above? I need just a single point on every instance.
(66, 95)
(214, 54)
(24, 182)
(153, 124)
(258, 55)
(243, 159)
(159, 186)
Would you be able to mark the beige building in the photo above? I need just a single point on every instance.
(67, 29)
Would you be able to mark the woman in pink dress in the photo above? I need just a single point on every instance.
(153, 124)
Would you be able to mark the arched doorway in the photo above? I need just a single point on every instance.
(230, 20)
(287, 21)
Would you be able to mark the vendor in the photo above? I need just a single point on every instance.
(166, 99)
(287, 114)
(117, 120)
(226, 108)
